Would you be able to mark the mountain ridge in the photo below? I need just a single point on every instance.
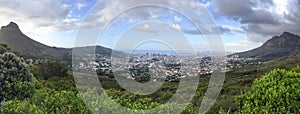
(276, 47)
(27, 47)
(31, 49)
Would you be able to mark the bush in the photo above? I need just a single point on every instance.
(276, 92)
(64, 102)
(59, 84)
(48, 101)
(132, 103)
(100, 104)
(18, 107)
(296, 69)
(50, 69)
(15, 78)
(54, 75)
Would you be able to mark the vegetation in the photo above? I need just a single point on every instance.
(54, 75)
(141, 75)
(3, 48)
(276, 92)
(50, 69)
(49, 87)
(47, 101)
(15, 78)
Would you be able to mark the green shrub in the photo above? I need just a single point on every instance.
(60, 84)
(65, 102)
(48, 101)
(276, 92)
(54, 75)
(18, 107)
(296, 69)
(15, 78)
(50, 69)
(98, 103)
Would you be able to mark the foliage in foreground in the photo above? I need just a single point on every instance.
(276, 92)
(15, 77)
(48, 102)
(67, 102)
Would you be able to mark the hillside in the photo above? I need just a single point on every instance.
(278, 46)
(286, 62)
(30, 49)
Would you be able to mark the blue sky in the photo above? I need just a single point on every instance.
(243, 24)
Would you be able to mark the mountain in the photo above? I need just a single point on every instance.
(30, 49)
(278, 46)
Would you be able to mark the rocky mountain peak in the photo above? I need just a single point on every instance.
(12, 26)
(286, 34)
(286, 39)
(278, 46)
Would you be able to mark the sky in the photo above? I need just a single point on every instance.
(243, 24)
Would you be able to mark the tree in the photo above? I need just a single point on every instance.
(15, 78)
(54, 75)
(50, 69)
(276, 92)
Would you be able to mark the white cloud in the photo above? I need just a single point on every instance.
(146, 26)
(207, 4)
(80, 5)
(109, 9)
(262, 19)
(177, 19)
(231, 29)
(46, 16)
(280, 6)
(240, 46)
(38, 16)
(176, 27)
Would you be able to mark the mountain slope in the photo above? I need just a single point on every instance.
(278, 46)
(286, 62)
(28, 48)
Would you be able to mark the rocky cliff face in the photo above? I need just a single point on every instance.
(287, 41)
